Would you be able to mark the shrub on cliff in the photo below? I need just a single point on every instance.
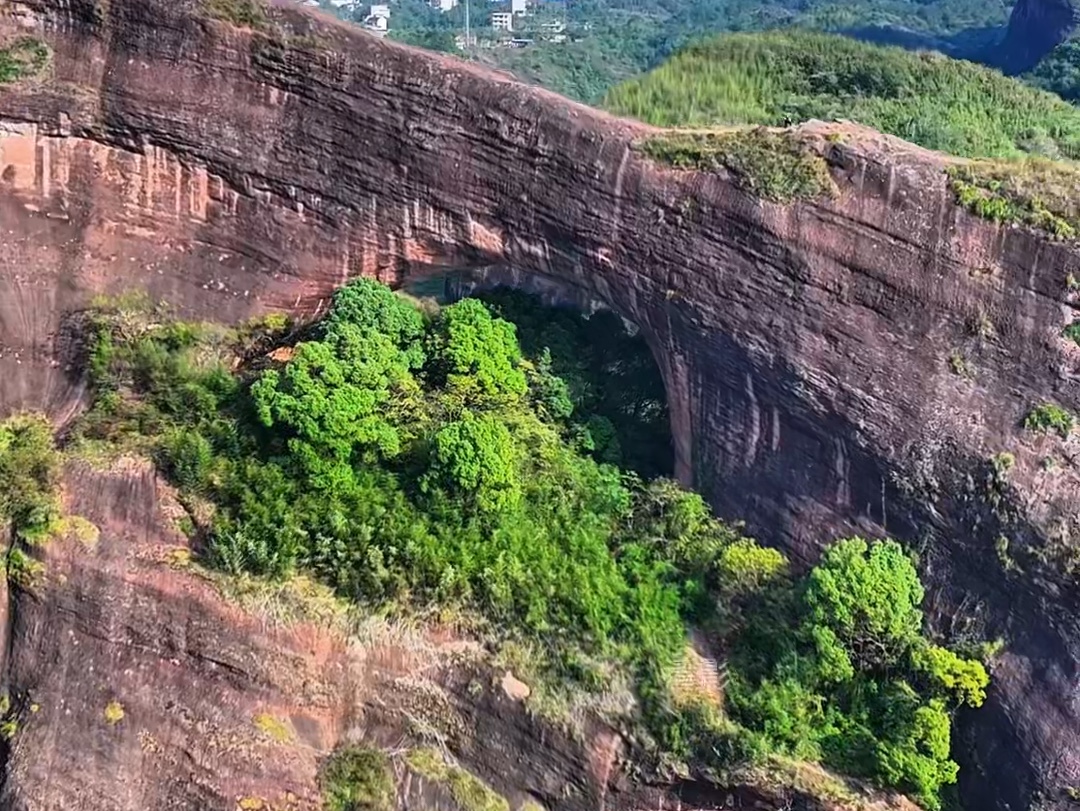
(29, 468)
(23, 58)
(357, 778)
(851, 678)
(772, 165)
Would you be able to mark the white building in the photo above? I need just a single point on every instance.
(444, 5)
(502, 21)
(380, 11)
(518, 6)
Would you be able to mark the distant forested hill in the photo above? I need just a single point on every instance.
(942, 103)
(612, 40)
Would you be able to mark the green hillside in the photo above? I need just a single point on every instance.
(953, 106)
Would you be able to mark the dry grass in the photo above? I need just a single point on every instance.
(774, 165)
(298, 600)
(1035, 192)
(560, 702)
(696, 681)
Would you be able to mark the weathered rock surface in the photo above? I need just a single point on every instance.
(1036, 27)
(845, 364)
(136, 685)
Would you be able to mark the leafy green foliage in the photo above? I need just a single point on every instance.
(476, 458)
(476, 357)
(940, 103)
(29, 469)
(1072, 332)
(357, 778)
(862, 603)
(1047, 417)
(840, 670)
(773, 165)
(22, 59)
(334, 397)
(488, 498)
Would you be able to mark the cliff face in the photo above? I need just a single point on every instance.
(1036, 27)
(136, 685)
(847, 365)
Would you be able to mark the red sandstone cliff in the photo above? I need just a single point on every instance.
(806, 348)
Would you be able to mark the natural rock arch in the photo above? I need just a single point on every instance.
(806, 348)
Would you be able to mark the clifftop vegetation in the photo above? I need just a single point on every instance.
(945, 104)
(415, 457)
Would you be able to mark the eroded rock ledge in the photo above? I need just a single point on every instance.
(852, 363)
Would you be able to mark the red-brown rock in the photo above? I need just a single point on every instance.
(809, 351)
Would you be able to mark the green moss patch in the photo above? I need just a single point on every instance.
(22, 59)
(468, 791)
(243, 13)
(273, 727)
(113, 713)
(776, 166)
(358, 778)
(1036, 192)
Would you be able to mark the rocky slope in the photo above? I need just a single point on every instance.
(853, 363)
(1036, 27)
(138, 681)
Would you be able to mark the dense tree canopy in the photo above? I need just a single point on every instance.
(410, 460)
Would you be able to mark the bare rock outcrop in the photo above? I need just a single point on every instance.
(1036, 27)
(849, 364)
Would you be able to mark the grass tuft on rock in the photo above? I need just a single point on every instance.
(273, 727)
(1047, 417)
(776, 166)
(113, 713)
(243, 13)
(1035, 192)
(469, 792)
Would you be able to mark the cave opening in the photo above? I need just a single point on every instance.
(620, 409)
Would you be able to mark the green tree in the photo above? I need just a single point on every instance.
(744, 568)
(862, 604)
(915, 758)
(476, 356)
(339, 396)
(371, 306)
(29, 472)
(476, 457)
(966, 679)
